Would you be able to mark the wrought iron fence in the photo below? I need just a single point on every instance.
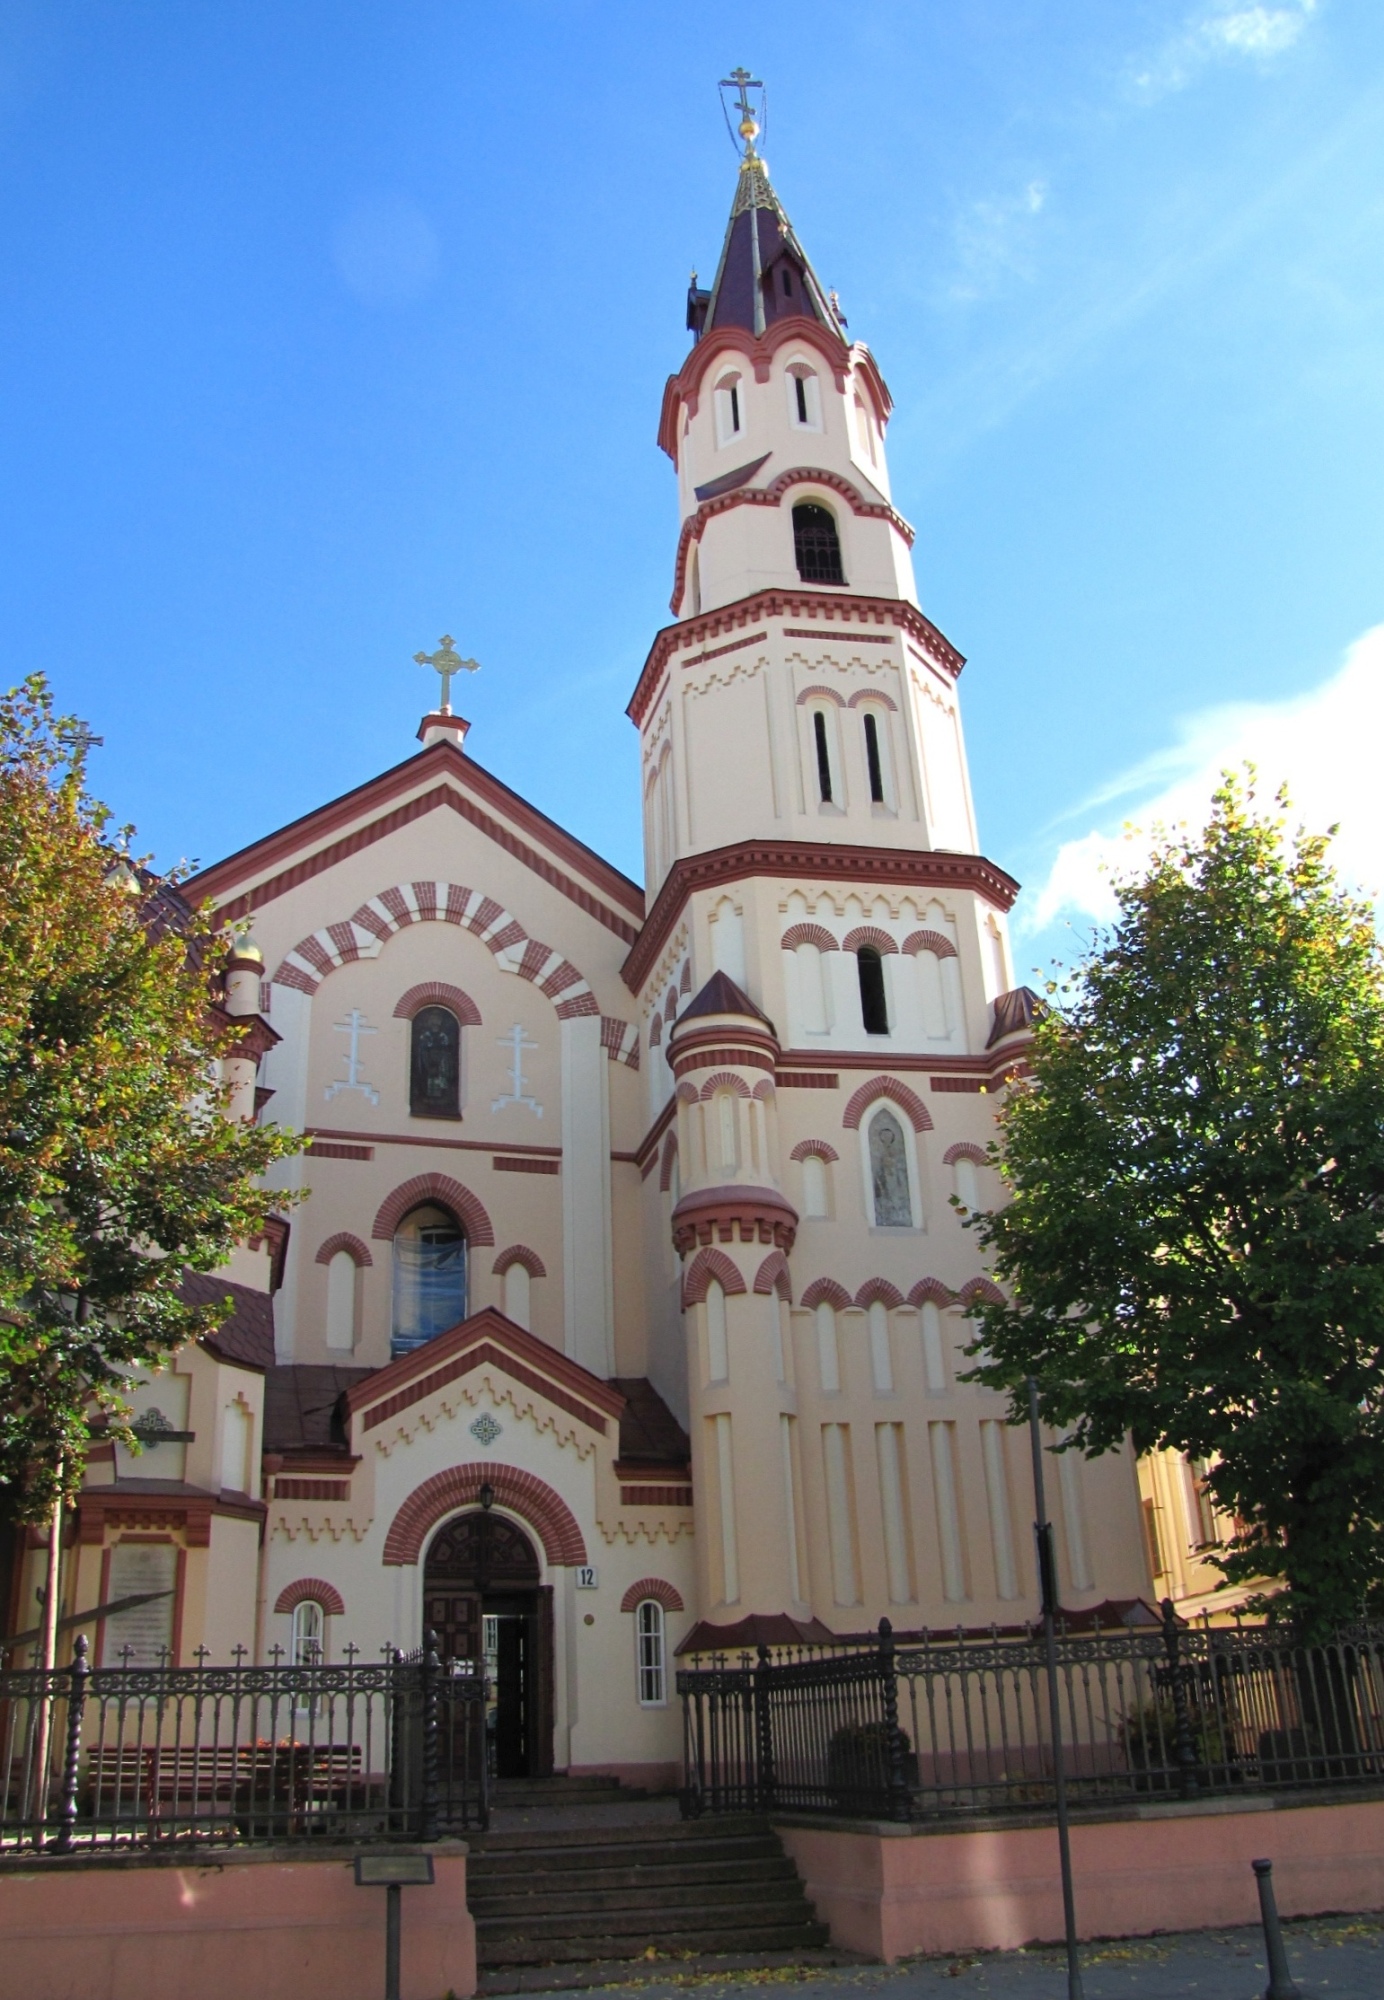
(950, 1725)
(199, 1756)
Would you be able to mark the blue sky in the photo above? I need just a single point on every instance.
(329, 328)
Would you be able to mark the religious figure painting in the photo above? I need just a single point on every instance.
(435, 1073)
(889, 1173)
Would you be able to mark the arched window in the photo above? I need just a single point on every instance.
(730, 416)
(816, 544)
(874, 762)
(934, 1349)
(967, 1183)
(804, 399)
(874, 1007)
(429, 1278)
(822, 743)
(816, 1201)
(517, 1295)
(725, 1128)
(828, 1354)
(881, 1361)
(308, 1648)
(435, 1064)
(865, 429)
(890, 1193)
(651, 1656)
(341, 1300)
(812, 992)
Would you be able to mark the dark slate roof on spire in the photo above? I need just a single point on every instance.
(764, 273)
(721, 995)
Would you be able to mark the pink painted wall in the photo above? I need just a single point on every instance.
(278, 1928)
(1174, 1868)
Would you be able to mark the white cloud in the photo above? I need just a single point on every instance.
(1223, 30)
(994, 241)
(1324, 744)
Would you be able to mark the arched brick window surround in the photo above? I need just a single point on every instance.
(869, 934)
(879, 1291)
(532, 1499)
(311, 1588)
(772, 1276)
(817, 934)
(436, 993)
(964, 1150)
(685, 977)
(818, 1148)
(670, 1006)
(447, 1193)
(980, 1288)
(670, 1154)
(686, 1093)
(826, 1292)
(656, 1031)
(764, 1089)
(724, 1079)
(933, 941)
(352, 1245)
(520, 1253)
(931, 1291)
(820, 694)
(897, 1093)
(706, 1265)
(652, 1586)
(873, 694)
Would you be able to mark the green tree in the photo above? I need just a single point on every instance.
(119, 1169)
(1193, 1250)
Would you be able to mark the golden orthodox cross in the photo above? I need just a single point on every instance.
(446, 662)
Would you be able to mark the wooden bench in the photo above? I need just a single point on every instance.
(292, 1785)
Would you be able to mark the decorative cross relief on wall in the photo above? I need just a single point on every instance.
(485, 1430)
(517, 1044)
(353, 1026)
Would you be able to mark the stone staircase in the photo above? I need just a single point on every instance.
(574, 1905)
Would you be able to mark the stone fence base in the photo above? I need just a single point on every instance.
(891, 1891)
(275, 1923)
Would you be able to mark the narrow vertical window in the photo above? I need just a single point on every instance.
(815, 1206)
(819, 731)
(435, 1064)
(874, 1008)
(828, 1359)
(717, 1346)
(735, 406)
(725, 1485)
(872, 758)
(309, 1628)
(725, 1126)
(341, 1300)
(517, 1295)
(934, 1358)
(892, 1196)
(653, 1671)
(967, 1185)
(788, 289)
(800, 392)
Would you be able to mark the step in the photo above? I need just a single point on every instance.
(553, 1840)
(656, 1966)
(493, 1863)
(545, 1908)
(486, 1890)
(667, 1944)
(653, 1917)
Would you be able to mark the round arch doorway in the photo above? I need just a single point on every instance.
(483, 1598)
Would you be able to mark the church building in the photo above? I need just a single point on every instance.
(626, 1315)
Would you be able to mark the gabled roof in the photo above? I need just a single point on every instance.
(487, 1337)
(721, 995)
(268, 868)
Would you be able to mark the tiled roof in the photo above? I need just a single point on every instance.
(246, 1337)
(649, 1432)
(721, 995)
(304, 1406)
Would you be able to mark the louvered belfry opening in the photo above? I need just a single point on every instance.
(816, 544)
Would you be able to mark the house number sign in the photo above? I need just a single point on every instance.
(588, 1577)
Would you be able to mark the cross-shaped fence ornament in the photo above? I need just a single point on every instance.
(447, 663)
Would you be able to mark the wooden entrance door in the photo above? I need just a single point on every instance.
(480, 1582)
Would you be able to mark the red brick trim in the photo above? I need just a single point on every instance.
(454, 768)
(504, 1163)
(879, 1291)
(897, 1093)
(532, 1499)
(520, 1253)
(695, 526)
(656, 1032)
(343, 1240)
(754, 1214)
(933, 941)
(312, 1489)
(826, 1292)
(820, 694)
(869, 934)
(807, 1079)
(837, 609)
(863, 695)
(670, 1154)
(440, 1188)
(817, 1147)
(973, 1085)
(764, 1089)
(655, 1496)
(724, 1079)
(931, 1291)
(332, 1149)
(312, 1588)
(652, 1586)
(980, 1288)
(620, 1040)
(864, 867)
(773, 1276)
(797, 934)
(706, 1266)
(964, 1150)
(435, 993)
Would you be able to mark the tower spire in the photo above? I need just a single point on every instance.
(764, 273)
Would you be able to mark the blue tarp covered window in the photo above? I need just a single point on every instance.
(429, 1278)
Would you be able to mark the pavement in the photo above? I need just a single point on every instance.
(1340, 1958)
